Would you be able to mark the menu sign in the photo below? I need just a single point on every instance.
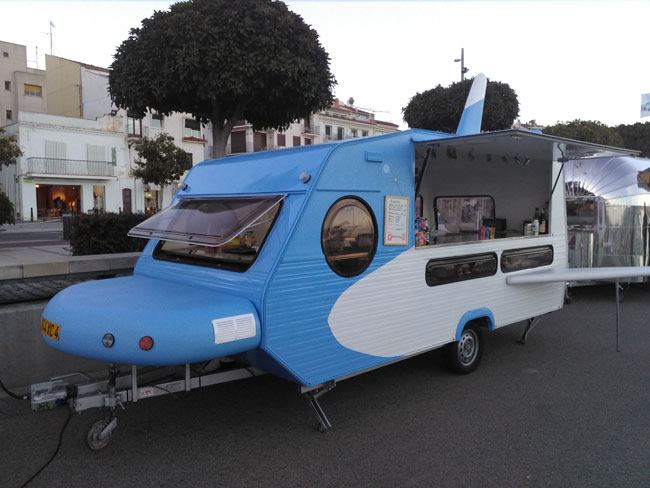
(396, 221)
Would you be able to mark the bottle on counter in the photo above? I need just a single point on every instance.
(543, 223)
(536, 222)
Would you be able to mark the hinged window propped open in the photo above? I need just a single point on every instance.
(212, 221)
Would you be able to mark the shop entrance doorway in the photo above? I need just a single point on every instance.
(55, 200)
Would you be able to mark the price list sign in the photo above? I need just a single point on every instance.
(396, 221)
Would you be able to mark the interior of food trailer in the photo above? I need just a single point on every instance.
(490, 185)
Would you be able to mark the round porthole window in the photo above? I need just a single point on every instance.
(349, 237)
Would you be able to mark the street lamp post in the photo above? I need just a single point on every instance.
(463, 69)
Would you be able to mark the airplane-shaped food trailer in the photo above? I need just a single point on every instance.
(322, 262)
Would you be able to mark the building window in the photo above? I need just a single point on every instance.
(328, 131)
(192, 129)
(282, 140)
(355, 133)
(8, 85)
(238, 142)
(156, 121)
(95, 153)
(133, 125)
(364, 133)
(296, 141)
(33, 90)
(339, 133)
(114, 155)
(9, 115)
(349, 237)
(307, 141)
(5, 54)
(259, 141)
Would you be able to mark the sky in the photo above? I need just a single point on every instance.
(565, 59)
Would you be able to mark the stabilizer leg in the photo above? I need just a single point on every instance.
(324, 423)
(531, 323)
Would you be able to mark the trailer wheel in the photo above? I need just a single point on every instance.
(93, 440)
(463, 356)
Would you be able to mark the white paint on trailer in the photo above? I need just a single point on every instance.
(393, 312)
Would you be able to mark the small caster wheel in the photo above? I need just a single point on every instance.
(93, 439)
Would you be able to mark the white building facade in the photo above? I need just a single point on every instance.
(338, 122)
(69, 165)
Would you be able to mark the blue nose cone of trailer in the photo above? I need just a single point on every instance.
(146, 321)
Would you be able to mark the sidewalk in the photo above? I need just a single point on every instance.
(17, 256)
(39, 261)
(52, 225)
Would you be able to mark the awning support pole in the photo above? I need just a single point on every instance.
(618, 314)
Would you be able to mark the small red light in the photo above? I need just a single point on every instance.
(146, 343)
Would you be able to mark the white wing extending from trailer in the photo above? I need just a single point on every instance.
(555, 275)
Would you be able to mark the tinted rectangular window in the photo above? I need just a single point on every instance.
(339, 133)
(296, 141)
(282, 140)
(528, 258)
(460, 268)
(192, 129)
(8, 85)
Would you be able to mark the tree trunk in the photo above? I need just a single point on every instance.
(219, 138)
(222, 126)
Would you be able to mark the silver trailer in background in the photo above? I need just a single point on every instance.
(608, 205)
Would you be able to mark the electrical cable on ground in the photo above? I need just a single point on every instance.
(56, 451)
(12, 394)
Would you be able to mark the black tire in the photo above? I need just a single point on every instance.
(464, 356)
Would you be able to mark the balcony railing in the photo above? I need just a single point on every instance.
(311, 129)
(69, 167)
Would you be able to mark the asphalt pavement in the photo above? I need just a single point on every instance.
(565, 410)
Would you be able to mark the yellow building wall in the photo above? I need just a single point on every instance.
(63, 79)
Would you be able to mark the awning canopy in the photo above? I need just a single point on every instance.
(515, 145)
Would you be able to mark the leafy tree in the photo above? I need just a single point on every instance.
(440, 108)
(9, 149)
(6, 210)
(636, 136)
(160, 161)
(223, 61)
(587, 131)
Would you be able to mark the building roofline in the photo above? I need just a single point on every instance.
(83, 65)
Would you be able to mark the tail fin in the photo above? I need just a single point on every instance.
(470, 120)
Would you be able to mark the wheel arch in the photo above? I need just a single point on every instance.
(482, 316)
